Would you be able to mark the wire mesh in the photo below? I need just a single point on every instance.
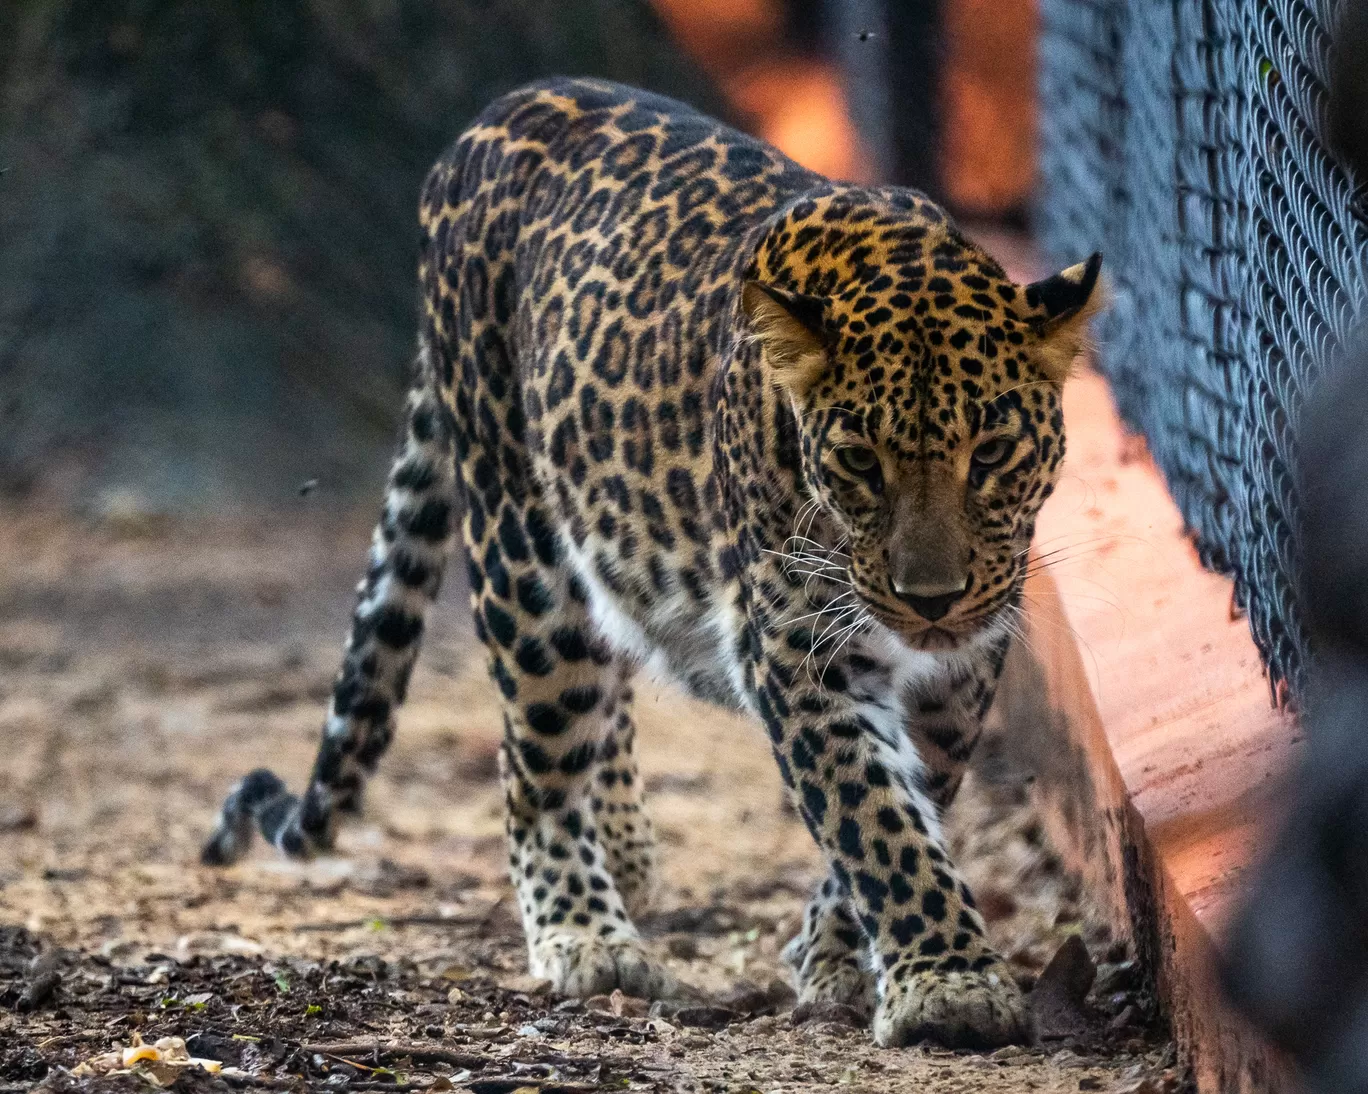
(1188, 140)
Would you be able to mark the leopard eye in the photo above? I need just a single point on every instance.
(857, 458)
(861, 461)
(991, 454)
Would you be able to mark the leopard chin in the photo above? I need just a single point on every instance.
(925, 637)
(936, 640)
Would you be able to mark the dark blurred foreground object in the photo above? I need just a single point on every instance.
(1298, 949)
(1188, 141)
(208, 224)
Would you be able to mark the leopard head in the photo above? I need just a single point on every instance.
(927, 390)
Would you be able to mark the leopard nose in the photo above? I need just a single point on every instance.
(929, 601)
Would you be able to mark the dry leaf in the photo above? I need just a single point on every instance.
(599, 1004)
(161, 1062)
(526, 984)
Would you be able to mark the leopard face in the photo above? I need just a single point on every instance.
(926, 385)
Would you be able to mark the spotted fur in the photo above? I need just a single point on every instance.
(781, 439)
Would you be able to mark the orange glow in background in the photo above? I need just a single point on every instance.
(792, 101)
(796, 101)
(987, 155)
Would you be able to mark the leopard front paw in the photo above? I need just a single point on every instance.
(958, 1009)
(825, 975)
(583, 964)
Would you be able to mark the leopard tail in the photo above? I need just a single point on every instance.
(408, 556)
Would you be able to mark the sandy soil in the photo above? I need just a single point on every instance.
(144, 667)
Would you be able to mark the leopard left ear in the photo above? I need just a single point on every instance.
(790, 329)
(1060, 308)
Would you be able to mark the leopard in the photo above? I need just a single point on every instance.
(701, 412)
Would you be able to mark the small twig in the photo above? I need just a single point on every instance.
(391, 1050)
(66, 1039)
(399, 921)
(434, 1054)
(270, 1083)
(349, 1062)
(487, 920)
(259, 1081)
(557, 1059)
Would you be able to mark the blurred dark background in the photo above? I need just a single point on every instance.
(207, 211)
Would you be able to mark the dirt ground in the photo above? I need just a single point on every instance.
(144, 666)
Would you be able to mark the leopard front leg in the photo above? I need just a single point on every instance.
(830, 957)
(578, 847)
(860, 784)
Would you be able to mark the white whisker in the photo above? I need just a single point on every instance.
(845, 636)
(810, 659)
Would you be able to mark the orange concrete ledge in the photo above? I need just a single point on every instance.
(1165, 747)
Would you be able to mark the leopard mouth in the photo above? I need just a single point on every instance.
(955, 632)
(923, 636)
(943, 636)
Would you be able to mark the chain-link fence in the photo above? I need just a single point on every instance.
(1188, 140)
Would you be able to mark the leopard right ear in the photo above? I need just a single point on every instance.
(789, 327)
(1061, 308)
